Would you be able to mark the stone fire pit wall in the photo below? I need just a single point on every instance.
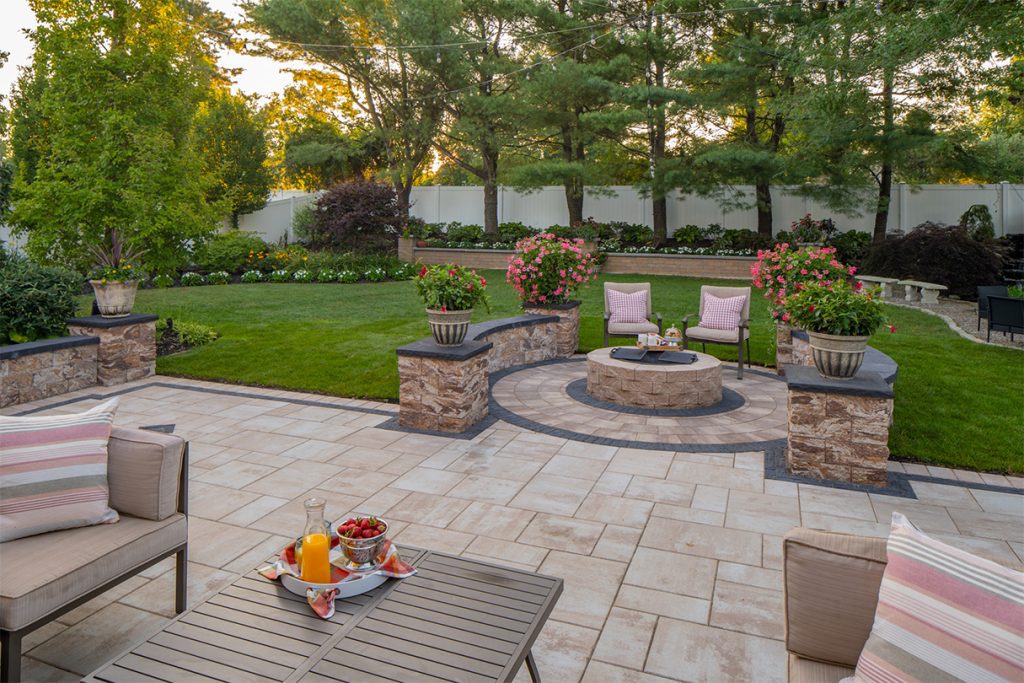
(445, 388)
(839, 429)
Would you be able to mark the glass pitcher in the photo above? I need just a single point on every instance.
(316, 544)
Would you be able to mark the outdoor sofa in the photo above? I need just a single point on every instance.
(47, 575)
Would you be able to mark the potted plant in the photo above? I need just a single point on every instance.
(115, 279)
(839, 319)
(450, 293)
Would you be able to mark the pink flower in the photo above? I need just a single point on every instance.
(785, 317)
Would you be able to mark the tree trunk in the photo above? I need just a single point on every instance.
(403, 191)
(659, 203)
(885, 177)
(763, 190)
(573, 182)
(490, 164)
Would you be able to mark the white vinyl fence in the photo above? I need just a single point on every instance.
(546, 207)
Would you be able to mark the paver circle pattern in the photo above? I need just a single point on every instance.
(541, 395)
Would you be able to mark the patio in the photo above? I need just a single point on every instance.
(668, 536)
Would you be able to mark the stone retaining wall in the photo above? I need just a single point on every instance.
(38, 370)
(445, 389)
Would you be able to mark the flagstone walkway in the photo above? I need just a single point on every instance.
(671, 557)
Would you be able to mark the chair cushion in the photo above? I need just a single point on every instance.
(701, 333)
(42, 573)
(143, 469)
(808, 671)
(53, 472)
(721, 314)
(943, 614)
(645, 327)
(627, 308)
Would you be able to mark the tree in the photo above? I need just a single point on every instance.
(104, 119)
(6, 163)
(232, 140)
(319, 155)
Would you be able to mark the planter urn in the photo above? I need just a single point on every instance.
(837, 356)
(449, 327)
(115, 298)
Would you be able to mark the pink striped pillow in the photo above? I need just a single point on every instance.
(943, 614)
(722, 314)
(627, 308)
(53, 472)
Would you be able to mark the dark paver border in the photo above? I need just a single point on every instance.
(731, 400)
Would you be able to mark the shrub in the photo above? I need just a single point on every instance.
(192, 280)
(326, 275)
(419, 229)
(1016, 291)
(302, 222)
(279, 276)
(376, 275)
(230, 251)
(35, 301)
(218, 277)
(357, 215)
(406, 271)
(688, 234)
(839, 308)
(945, 255)
(451, 288)
(549, 269)
(514, 231)
(742, 239)
(977, 221)
(592, 230)
(252, 276)
(188, 333)
(783, 271)
(162, 281)
(348, 276)
(635, 233)
(457, 232)
(809, 230)
(712, 233)
(851, 246)
(302, 276)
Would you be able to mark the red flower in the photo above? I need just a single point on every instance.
(451, 272)
(483, 282)
(810, 309)
(892, 328)
(444, 309)
(423, 271)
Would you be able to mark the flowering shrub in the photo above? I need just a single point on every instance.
(218, 278)
(783, 271)
(279, 276)
(251, 276)
(809, 230)
(348, 276)
(451, 288)
(376, 275)
(838, 308)
(192, 280)
(302, 276)
(162, 281)
(406, 271)
(548, 269)
(326, 275)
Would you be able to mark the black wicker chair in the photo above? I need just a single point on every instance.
(983, 294)
(1005, 314)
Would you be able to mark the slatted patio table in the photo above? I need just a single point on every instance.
(456, 620)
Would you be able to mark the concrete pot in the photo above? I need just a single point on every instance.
(449, 327)
(837, 356)
(115, 298)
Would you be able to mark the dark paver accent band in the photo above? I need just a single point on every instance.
(731, 400)
(775, 468)
(12, 351)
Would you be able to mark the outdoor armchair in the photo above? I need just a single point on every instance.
(651, 325)
(1005, 314)
(983, 294)
(49, 574)
(739, 336)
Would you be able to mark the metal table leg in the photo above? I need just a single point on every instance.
(531, 666)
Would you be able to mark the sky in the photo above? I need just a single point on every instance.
(260, 75)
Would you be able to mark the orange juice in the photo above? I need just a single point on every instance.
(316, 567)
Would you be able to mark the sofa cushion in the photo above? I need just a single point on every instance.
(808, 671)
(943, 614)
(53, 472)
(627, 308)
(143, 470)
(64, 565)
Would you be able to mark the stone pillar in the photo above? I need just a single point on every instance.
(406, 246)
(839, 429)
(568, 324)
(442, 389)
(127, 348)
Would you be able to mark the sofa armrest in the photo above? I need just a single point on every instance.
(831, 590)
(146, 472)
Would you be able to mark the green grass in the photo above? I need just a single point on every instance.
(957, 403)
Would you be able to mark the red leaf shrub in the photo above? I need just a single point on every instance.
(357, 215)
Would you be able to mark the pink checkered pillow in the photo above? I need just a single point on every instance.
(627, 308)
(722, 314)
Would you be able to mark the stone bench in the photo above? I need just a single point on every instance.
(926, 292)
(884, 282)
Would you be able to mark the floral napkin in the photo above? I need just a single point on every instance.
(322, 600)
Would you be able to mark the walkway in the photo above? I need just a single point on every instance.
(671, 555)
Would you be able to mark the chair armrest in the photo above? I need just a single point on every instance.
(146, 472)
(745, 323)
(831, 591)
(686, 320)
(607, 317)
(657, 318)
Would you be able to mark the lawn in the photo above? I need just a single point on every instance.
(958, 403)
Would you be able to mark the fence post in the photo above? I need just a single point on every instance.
(1004, 206)
(904, 207)
(290, 232)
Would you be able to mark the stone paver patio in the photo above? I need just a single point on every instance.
(671, 556)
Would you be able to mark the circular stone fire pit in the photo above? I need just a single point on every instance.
(654, 385)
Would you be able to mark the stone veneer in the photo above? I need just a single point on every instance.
(127, 348)
(41, 369)
(792, 347)
(839, 429)
(445, 389)
(568, 332)
(654, 385)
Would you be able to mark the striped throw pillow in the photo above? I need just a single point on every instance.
(627, 308)
(53, 472)
(722, 314)
(943, 615)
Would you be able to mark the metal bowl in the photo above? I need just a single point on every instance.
(362, 553)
